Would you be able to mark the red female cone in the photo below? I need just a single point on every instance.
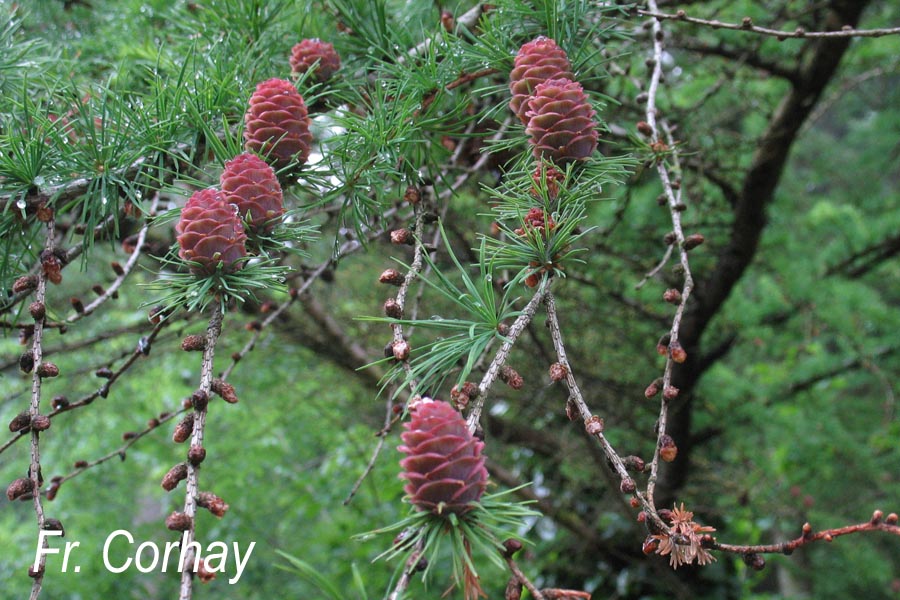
(307, 53)
(249, 183)
(444, 467)
(537, 61)
(276, 124)
(210, 233)
(561, 122)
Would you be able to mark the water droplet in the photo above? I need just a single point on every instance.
(20, 203)
(39, 180)
(103, 201)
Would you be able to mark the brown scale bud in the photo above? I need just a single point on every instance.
(692, 241)
(511, 546)
(670, 393)
(156, 314)
(26, 362)
(400, 350)
(891, 519)
(59, 402)
(635, 463)
(667, 448)
(77, 304)
(670, 238)
(204, 573)
(178, 521)
(402, 237)
(876, 517)
(24, 284)
(129, 435)
(511, 377)
(391, 277)
(672, 296)
(653, 388)
(635, 502)
(662, 346)
(644, 128)
(171, 479)
(103, 373)
(196, 455)
(194, 343)
(186, 404)
(40, 423)
(447, 21)
(199, 400)
(98, 289)
(47, 369)
(253, 326)
(152, 423)
(35, 573)
(627, 486)
(53, 489)
(21, 422)
(224, 390)
(651, 544)
(754, 561)
(641, 517)
(827, 537)
(184, 429)
(677, 353)
(81, 464)
(593, 425)
(38, 310)
(51, 266)
(558, 372)
(412, 195)
(392, 308)
(19, 488)
(212, 503)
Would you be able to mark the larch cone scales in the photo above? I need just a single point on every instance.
(276, 124)
(249, 183)
(536, 62)
(210, 232)
(561, 122)
(444, 467)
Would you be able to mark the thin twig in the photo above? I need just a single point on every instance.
(408, 569)
(190, 503)
(515, 570)
(747, 25)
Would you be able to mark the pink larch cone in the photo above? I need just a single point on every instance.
(210, 232)
(306, 54)
(444, 467)
(250, 183)
(276, 124)
(537, 61)
(561, 122)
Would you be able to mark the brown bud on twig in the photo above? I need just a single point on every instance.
(47, 369)
(194, 343)
(670, 238)
(77, 305)
(558, 372)
(653, 388)
(670, 393)
(212, 503)
(672, 296)
(40, 423)
(891, 519)
(103, 373)
(447, 21)
(129, 435)
(650, 544)
(692, 241)
(224, 390)
(51, 266)
(511, 546)
(754, 561)
(54, 525)
(184, 429)
(876, 517)
(392, 308)
(806, 530)
(196, 455)
(635, 463)
(644, 128)
(667, 448)
(199, 400)
(391, 277)
(117, 269)
(662, 346)
(178, 521)
(171, 479)
(400, 350)
(19, 488)
(627, 486)
(38, 310)
(24, 284)
(593, 425)
(677, 353)
(412, 195)
(26, 362)
(21, 422)
(35, 573)
(59, 402)
(401, 237)
(204, 573)
(81, 464)
(511, 377)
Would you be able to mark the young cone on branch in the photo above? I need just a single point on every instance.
(250, 183)
(276, 124)
(537, 61)
(444, 466)
(561, 122)
(305, 55)
(210, 232)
